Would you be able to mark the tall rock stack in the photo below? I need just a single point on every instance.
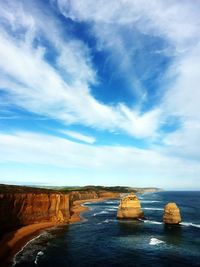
(129, 208)
(171, 214)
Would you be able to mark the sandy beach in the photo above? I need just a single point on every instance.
(78, 208)
(13, 242)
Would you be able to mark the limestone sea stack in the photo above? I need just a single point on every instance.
(129, 208)
(171, 214)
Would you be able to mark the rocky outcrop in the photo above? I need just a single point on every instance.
(129, 208)
(171, 214)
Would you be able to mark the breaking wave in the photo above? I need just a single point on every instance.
(155, 241)
(150, 201)
(101, 212)
(21, 250)
(40, 253)
(151, 222)
(152, 208)
(109, 220)
(190, 224)
(110, 202)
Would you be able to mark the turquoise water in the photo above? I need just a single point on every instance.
(101, 240)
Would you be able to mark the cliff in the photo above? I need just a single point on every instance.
(21, 209)
(129, 208)
(77, 197)
(21, 206)
(119, 189)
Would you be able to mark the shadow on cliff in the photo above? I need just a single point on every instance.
(6, 251)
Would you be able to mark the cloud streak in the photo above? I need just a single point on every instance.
(80, 137)
(165, 20)
(48, 71)
(34, 84)
(28, 147)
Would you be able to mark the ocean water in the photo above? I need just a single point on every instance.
(101, 240)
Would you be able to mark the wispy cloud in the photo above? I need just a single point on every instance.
(48, 71)
(79, 136)
(177, 24)
(126, 162)
(36, 85)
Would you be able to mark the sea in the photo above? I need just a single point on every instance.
(101, 240)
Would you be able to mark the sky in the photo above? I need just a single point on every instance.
(100, 92)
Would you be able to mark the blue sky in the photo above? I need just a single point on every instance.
(100, 92)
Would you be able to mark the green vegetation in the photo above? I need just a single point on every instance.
(64, 189)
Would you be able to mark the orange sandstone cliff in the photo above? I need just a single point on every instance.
(77, 197)
(21, 206)
(21, 209)
(25, 211)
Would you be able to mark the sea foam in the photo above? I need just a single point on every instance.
(190, 224)
(40, 253)
(110, 202)
(21, 250)
(150, 201)
(112, 209)
(151, 222)
(109, 220)
(155, 241)
(152, 208)
(101, 212)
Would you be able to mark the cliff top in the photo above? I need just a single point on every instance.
(58, 189)
(119, 189)
(25, 189)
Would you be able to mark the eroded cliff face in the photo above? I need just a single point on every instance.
(23, 209)
(82, 195)
(86, 195)
(18, 208)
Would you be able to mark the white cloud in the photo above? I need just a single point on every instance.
(156, 17)
(63, 91)
(35, 85)
(78, 136)
(128, 163)
(177, 23)
(185, 141)
(182, 101)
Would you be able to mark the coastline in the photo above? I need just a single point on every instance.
(11, 243)
(78, 208)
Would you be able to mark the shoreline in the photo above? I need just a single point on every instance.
(78, 208)
(13, 242)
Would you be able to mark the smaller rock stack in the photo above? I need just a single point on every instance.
(171, 214)
(129, 208)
